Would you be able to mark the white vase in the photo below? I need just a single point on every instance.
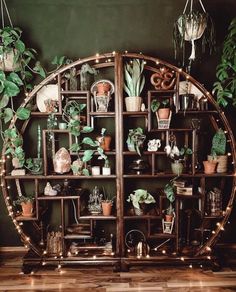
(133, 103)
(96, 170)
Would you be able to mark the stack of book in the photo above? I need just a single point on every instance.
(182, 189)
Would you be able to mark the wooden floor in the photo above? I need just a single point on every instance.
(105, 280)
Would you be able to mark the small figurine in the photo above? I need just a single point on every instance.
(154, 144)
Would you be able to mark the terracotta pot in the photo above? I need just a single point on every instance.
(105, 142)
(222, 162)
(209, 166)
(27, 209)
(133, 103)
(163, 113)
(168, 218)
(103, 88)
(106, 208)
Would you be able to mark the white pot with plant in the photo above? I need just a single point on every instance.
(106, 169)
(134, 83)
(139, 198)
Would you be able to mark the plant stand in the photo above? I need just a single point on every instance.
(164, 123)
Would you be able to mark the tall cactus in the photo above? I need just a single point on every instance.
(218, 143)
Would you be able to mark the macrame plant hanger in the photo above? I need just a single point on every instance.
(4, 6)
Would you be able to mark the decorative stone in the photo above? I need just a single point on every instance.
(62, 161)
(18, 172)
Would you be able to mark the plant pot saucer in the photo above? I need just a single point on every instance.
(27, 215)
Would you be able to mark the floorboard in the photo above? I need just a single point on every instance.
(90, 279)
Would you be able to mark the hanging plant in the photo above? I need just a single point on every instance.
(225, 86)
(190, 27)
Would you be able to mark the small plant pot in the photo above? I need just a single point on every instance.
(96, 170)
(103, 88)
(177, 167)
(133, 103)
(222, 162)
(209, 166)
(7, 63)
(138, 212)
(105, 142)
(168, 218)
(27, 209)
(163, 113)
(106, 208)
(106, 170)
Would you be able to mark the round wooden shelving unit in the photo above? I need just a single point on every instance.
(115, 60)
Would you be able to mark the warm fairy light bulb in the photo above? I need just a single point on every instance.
(114, 52)
(8, 156)
(180, 69)
(27, 239)
(76, 252)
(147, 256)
(96, 61)
(10, 213)
(164, 252)
(182, 259)
(7, 198)
(208, 257)
(21, 223)
(213, 232)
(140, 53)
(26, 246)
(218, 223)
(59, 266)
(109, 60)
(157, 62)
(44, 252)
(200, 266)
(208, 248)
(9, 207)
(94, 257)
(8, 187)
(229, 153)
(187, 77)
(43, 263)
(14, 221)
(225, 132)
(222, 228)
(97, 55)
(69, 254)
(190, 266)
(55, 257)
(112, 253)
(126, 52)
(128, 250)
(138, 256)
(144, 62)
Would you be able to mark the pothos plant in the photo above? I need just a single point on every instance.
(25, 68)
(225, 86)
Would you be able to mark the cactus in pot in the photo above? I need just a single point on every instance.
(218, 151)
(134, 83)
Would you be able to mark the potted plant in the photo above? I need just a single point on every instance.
(134, 83)
(135, 140)
(190, 26)
(218, 151)
(104, 140)
(26, 205)
(35, 165)
(225, 86)
(13, 144)
(178, 157)
(106, 169)
(161, 108)
(139, 198)
(107, 203)
(169, 191)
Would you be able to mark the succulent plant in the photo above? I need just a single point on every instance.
(218, 143)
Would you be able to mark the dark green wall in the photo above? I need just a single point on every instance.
(79, 28)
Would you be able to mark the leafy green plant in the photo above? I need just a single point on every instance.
(14, 143)
(140, 196)
(135, 139)
(225, 86)
(176, 154)
(34, 165)
(218, 143)
(134, 78)
(23, 199)
(155, 104)
(107, 197)
(169, 190)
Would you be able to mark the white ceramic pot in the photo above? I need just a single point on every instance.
(96, 170)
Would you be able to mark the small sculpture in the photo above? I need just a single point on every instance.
(95, 202)
(163, 79)
(85, 69)
(49, 191)
(154, 144)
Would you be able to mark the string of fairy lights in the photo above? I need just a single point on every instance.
(205, 249)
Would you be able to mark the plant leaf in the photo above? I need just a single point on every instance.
(23, 113)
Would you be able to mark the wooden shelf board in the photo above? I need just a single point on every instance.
(171, 130)
(48, 198)
(76, 92)
(142, 217)
(98, 217)
(188, 196)
(102, 114)
(43, 114)
(77, 236)
(206, 112)
(213, 217)
(135, 114)
(162, 235)
(62, 176)
(23, 218)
